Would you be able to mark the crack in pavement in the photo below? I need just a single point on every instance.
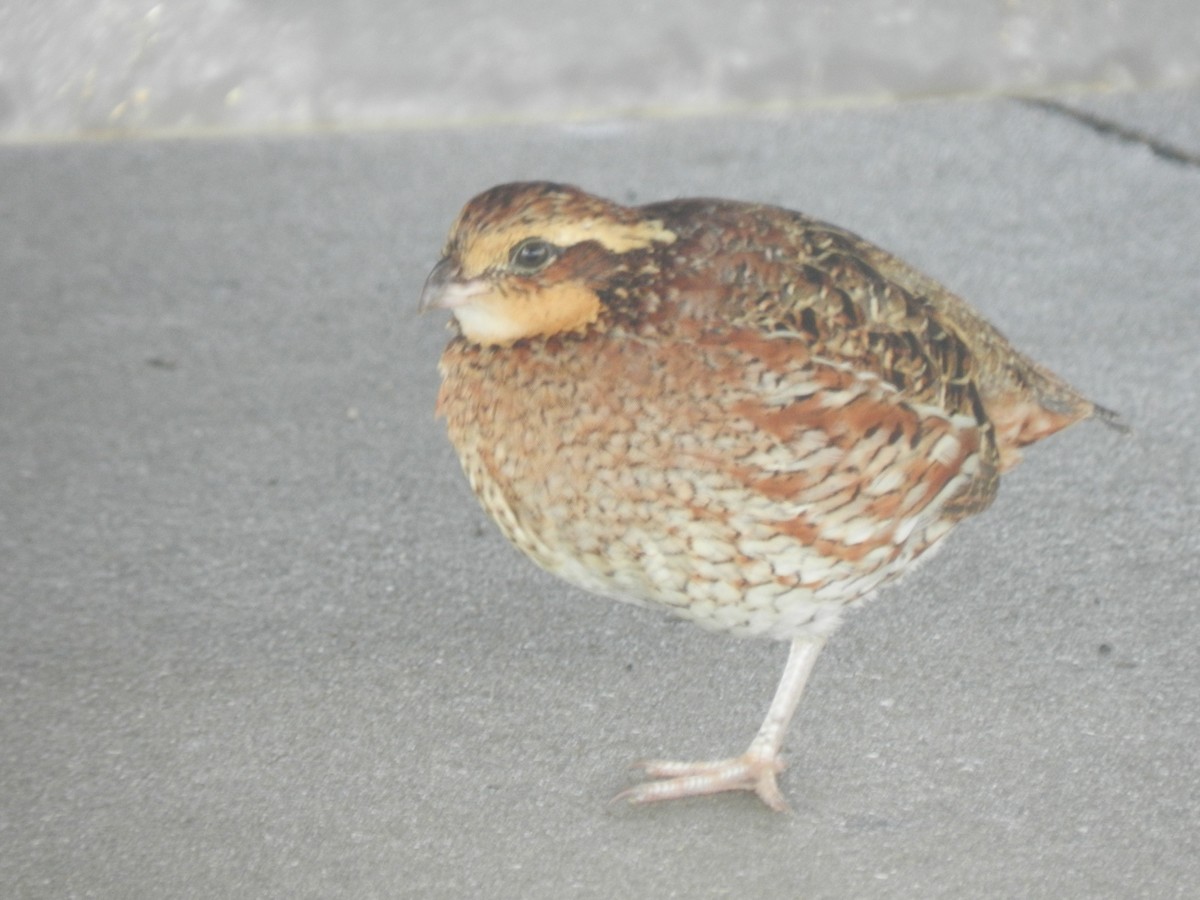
(1109, 128)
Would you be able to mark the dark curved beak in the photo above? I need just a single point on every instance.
(433, 295)
(445, 288)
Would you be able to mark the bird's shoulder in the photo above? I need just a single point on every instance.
(784, 277)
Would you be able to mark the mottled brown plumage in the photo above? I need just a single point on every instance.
(730, 410)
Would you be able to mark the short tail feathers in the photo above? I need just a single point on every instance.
(1111, 418)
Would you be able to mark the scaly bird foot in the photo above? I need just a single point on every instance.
(748, 772)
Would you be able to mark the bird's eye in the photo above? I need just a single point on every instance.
(532, 254)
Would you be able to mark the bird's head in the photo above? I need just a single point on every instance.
(528, 259)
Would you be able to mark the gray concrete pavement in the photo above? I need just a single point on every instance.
(79, 67)
(257, 640)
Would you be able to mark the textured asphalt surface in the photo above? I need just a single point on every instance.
(257, 639)
(129, 67)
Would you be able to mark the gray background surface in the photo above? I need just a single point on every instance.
(256, 638)
(128, 67)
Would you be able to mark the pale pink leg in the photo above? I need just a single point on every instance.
(754, 770)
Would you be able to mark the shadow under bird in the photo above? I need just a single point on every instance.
(729, 410)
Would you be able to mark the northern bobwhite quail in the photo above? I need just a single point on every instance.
(730, 410)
